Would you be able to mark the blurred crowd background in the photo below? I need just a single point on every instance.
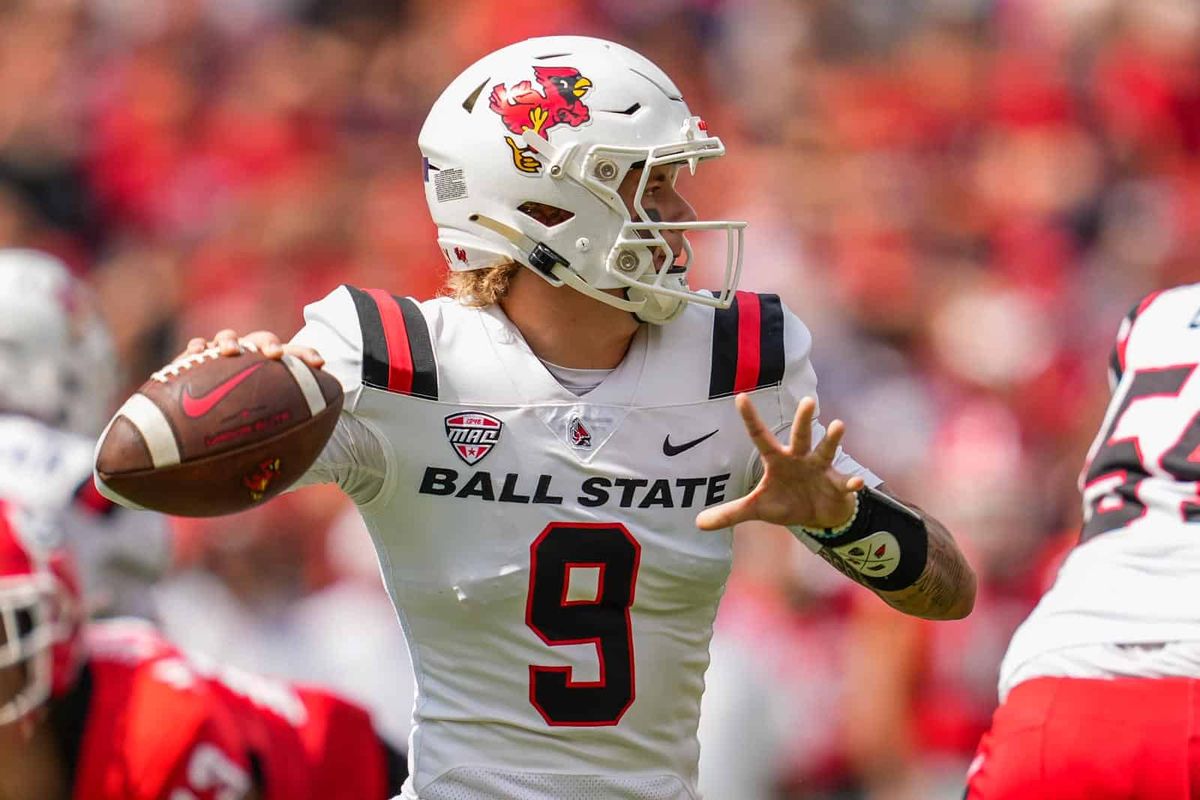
(960, 197)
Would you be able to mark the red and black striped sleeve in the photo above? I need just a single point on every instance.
(747, 345)
(397, 350)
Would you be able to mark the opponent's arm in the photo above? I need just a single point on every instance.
(900, 553)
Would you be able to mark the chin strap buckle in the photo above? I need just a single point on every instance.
(545, 259)
(542, 258)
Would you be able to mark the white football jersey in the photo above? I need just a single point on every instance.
(540, 547)
(1134, 578)
(119, 552)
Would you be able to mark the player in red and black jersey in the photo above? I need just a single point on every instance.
(84, 719)
(113, 711)
(302, 742)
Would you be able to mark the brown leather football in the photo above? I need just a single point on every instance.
(212, 434)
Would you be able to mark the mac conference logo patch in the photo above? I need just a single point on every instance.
(473, 434)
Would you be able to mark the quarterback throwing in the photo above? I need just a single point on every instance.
(550, 460)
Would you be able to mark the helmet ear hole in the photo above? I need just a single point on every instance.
(548, 215)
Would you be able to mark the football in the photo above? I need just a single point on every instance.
(211, 434)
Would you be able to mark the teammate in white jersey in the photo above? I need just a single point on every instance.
(58, 377)
(551, 460)
(1100, 687)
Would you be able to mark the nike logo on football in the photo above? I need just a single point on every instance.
(199, 406)
(675, 449)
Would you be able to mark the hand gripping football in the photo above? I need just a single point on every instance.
(211, 434)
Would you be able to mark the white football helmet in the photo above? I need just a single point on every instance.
(56, 357)
(557, 123)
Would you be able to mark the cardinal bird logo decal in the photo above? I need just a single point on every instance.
(258, 480)
(556, 100)
(579, 435)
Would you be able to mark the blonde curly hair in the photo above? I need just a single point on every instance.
(481, 287)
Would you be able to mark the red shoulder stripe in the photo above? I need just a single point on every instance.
(749, 356)
(395, 333)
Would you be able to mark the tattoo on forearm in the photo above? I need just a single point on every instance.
(839, 563)
(944, 584)
(945, 588)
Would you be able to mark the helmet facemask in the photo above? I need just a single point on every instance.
(41, 613)
(29, 630)
(643, 260)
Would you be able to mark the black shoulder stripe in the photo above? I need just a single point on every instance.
(424, 365)
(770, 370)
(724, 351)
(375, 353)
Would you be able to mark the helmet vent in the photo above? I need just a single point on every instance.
(550, 55)
(629, 112)
(550, 216)
(473, 97)
(670, 95)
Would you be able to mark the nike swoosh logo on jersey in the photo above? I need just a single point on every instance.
(199, 406)
(675, 449)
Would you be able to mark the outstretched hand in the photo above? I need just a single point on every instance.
(799, 485)
(228, 343)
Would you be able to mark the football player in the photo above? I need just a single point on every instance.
(1100, 688)
(551, 460)
(93, 700)
(58, 377)
(90, 715)
(304, 743)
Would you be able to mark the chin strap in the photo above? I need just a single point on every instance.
(580, 285)
(558, 271)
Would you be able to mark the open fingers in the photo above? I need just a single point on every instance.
(725, 515)
(762, 437)
(827, 448)
(800, 442)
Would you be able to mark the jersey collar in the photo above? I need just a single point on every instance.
(535, 385)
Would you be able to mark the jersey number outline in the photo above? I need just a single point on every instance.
(1113, 476)
(211, 773)
(603, 621)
